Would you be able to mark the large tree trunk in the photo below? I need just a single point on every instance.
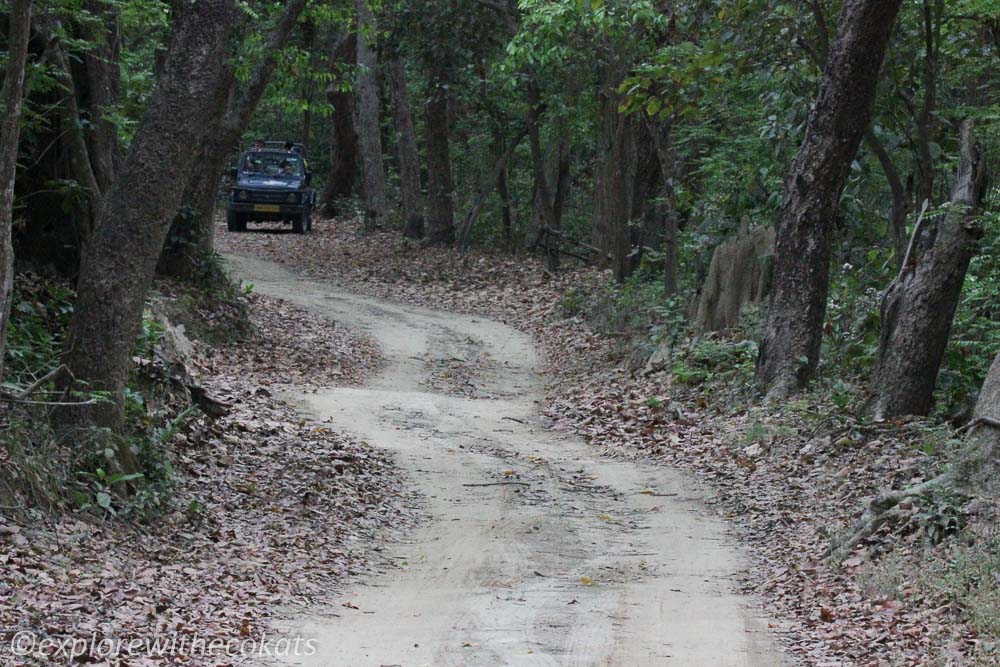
(409, 157)
(10, 127)
(344, 142)
(118, 268)
(192, 236)
(367, 119)
(919, 305)
(440, 204)
(789, 351)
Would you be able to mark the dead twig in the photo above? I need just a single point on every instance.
(21, 396)
(499, 484)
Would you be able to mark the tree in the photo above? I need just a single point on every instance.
(11, 96)
(440, 203)
(919, 305)
(137, 211)
(790, 348)
(344, 137)
(406, 146)
(192, 236)
(368, 114)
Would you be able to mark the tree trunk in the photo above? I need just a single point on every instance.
(103, 89)
(505, 211)
(484, 192)
(344, 142)
(667, 204)
(617, 197)
(984, 434)
(546, 197)
(932, 15)
(192, 235)
(440, 205)
(900, 197)
(137, 211)
(919, 305)
(367, 119)
(74, 136)
(409, 157)
(10, 127)
(789, 351)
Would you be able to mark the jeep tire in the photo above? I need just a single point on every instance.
(235, 222)
(300, 223)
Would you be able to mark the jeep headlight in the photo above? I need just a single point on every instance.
(242, 195)
(293, 198)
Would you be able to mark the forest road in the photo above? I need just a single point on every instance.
(535, 549)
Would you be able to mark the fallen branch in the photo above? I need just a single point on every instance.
(499, 484)
(515, 419)
(22, 396)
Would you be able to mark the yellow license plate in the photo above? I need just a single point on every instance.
(267, 208)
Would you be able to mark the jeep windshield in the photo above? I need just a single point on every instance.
(274, 165)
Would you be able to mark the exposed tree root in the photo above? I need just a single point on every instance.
(880, 510)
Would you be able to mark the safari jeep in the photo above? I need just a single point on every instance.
(270, 185)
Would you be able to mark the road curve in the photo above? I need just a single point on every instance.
(583, 561)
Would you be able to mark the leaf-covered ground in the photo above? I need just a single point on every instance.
(785, 481)
(271, 510)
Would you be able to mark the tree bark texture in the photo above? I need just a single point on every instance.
(440, 202)
(10, 127)
(344, 143)
(409, 157)
(367, 120)
(918, 307)
(789, 351)
(984, 434)
(118, 268)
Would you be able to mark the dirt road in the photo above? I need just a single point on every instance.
(535, 551)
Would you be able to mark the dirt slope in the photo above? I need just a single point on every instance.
(536, 551)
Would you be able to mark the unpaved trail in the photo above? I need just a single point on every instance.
(573, 565)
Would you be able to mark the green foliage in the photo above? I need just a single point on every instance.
(715, 360)
(40, 313)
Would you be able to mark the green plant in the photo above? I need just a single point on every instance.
(98, 489)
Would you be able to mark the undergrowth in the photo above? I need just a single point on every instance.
(43, 470)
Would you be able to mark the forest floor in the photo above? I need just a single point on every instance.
(268, 508)
(785, 478)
